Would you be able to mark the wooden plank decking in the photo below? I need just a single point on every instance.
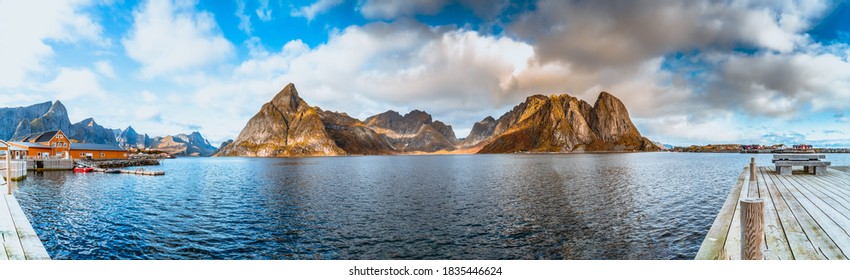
(806, 216)
(16, 233)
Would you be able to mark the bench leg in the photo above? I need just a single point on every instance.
(784, 170)
(809, 169)
(820, 170)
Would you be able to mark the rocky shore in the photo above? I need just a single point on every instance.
(122, 163)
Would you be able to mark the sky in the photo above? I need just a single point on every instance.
(689, 72)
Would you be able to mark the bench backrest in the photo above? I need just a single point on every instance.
(799, 157)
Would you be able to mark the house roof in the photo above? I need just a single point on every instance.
(46, 136)
(37, 137)
(96, 147)
(25, 138)
(11, 147)
(28, 144)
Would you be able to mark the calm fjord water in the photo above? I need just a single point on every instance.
(581, 206)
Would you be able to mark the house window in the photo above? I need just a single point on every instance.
(82, 154)
(102, 155)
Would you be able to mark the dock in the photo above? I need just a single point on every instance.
(20, 241)
(806, 217)
(100, 169)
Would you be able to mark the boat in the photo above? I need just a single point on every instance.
(81, 169)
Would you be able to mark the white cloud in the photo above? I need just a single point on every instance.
(684, 130)
(20, 98)
(454, 74)
(104, 68)
(600, 34)
(264, 12)
(74, 83)
(459, 76)
(780, 84)
(27, 26)
(149, 97)
(167, 38)
(148, 113)
(390, 9)
(318, 7)
(244, 19)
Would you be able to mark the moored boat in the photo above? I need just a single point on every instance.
(81, 169)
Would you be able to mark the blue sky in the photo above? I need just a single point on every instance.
(690, 72)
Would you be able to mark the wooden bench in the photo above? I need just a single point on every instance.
(811, 163)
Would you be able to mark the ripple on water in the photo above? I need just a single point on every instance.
(612, 206)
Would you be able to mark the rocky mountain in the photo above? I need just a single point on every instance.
(562, 123)
(49, 116)
(285, 126)
(129, 138)
(225, 143)
(415, 131)
(88, 131)
(353, 136)
(480, 131)
(662, 146)
(13, 118)
(20, 121)
(54, 118)
(288, 126)
(192, 144)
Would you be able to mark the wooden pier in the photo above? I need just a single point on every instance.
(16, 233)
(806, 217)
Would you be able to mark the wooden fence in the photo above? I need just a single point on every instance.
(18, 169)
(50, 164)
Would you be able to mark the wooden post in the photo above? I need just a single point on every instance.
(752, 228)
(752, 169)
(8, 168)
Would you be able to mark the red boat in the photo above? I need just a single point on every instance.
(79, 169)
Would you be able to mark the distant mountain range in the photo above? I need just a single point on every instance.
(20, 121)
(192, 144)
(288, 126)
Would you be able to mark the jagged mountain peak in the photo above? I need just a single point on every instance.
(285, 126)
(88, 122)
(287, 98)
(88, 131)
(58, 108)
(610, 118)
(563, 123)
